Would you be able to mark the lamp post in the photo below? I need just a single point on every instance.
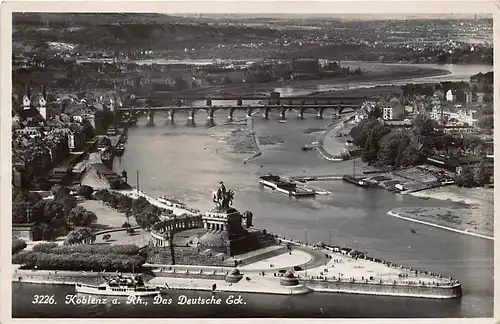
(305, 265)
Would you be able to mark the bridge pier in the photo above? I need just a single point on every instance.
(151, 118)
(191, 114)
(265, 115)
(211, 113)
(170, 115)
(283, 113)
(249, 111)
(301, 113)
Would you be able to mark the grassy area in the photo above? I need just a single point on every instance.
(107, 217)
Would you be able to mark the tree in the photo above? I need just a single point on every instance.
(371, 147)
(80, 235)
(59, 191)
(423, 125)
(480, 176)
(148, 217)
(465, 178)
(390, 148)
(486, 122)
(18, 245)
(85, 191)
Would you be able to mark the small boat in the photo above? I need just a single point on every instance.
(282, 121)
(119, 286)
(413, 231)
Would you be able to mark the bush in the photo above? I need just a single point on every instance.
(44, 247)
(85, 191)
(78, 261)
(126, 225)
(127, 249)
(106, 237)
(18, 245)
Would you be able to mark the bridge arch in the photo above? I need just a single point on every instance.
(333, 110)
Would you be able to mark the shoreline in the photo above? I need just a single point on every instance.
(424, 72)
(395, 213)
(324, 153)
(261, 280)
(258, 151)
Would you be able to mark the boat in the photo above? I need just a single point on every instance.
(120, 286)
(282, 121)
(361, 182)
(290, 188)
(172, 202)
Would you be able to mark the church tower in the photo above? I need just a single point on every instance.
(27, 98)
(42, 102)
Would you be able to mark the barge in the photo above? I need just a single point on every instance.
(290, 188)
(360, 182)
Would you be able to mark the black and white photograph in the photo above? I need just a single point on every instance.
(265, 164)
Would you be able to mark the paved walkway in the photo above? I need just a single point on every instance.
(281, 261)
(256, 284)
(133, 193)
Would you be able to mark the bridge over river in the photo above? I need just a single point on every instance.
(300, 105)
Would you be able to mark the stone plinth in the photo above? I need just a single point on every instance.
(289, 280)
(234, 276)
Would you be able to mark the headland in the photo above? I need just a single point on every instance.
(222, 251)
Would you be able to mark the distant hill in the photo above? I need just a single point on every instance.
(85, 19)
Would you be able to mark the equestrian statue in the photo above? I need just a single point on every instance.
(222, 198)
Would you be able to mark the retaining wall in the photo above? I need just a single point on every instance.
(422, 291)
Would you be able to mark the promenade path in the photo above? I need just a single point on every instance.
(135, 194)
(255, 284)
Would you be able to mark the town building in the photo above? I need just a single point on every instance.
(393, 110)
(305, 68)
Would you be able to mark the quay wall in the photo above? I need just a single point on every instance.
(422, 291)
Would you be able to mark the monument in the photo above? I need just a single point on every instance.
(227, 230)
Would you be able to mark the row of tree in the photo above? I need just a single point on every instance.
(78, 261)
(473, 176)
(145, 213)
(388, 148)
(54, 248)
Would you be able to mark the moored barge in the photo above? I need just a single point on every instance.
(290, 188)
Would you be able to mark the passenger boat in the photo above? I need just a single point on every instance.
(119, 286)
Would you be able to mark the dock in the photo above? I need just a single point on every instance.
(325, 177)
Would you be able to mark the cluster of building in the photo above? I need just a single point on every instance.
(456, 108)
(50, 138)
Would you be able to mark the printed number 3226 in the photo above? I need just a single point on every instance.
(43, 299)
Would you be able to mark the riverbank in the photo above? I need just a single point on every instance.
(373, 72)
(332, 130)
(456, 219)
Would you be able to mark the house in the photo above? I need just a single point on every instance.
(305, 68)
(482, 82)
(399, 124)
(363, 113)
(25, 231)
(393, 110)
(450, 95)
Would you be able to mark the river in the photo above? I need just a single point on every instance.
(186, 163)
